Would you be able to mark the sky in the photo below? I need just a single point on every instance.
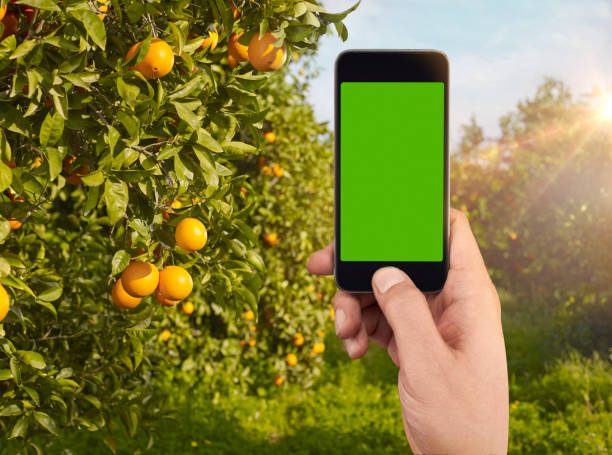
(499, 52)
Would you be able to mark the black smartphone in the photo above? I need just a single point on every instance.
(391, 167)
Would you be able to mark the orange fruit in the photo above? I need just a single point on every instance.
(253, 328)
(262, 53)
(243, 190)
(513, 236)
(10, 22)
(331, 313)
(175, 283)
(266, 170)
(320, 333)
(320, 295)
(176, 204)
(140, 279)
(158, 61)
(277, 170)
(37, 162)
(5, 303)
(235, 11)
(103, 9)
(298, 339)
(292, 359)
(271, 239)
(251, 342)
(121, 298)
(15, 224)
(279, 380)
(262, 161)
(163, 300)
(270, 136)
(211, 40)
(249, 315)
(239, 51)
(3, 12)
(188, 308)
(29, 13)
(318, 348)
(231, 61)
(190, 234)
(165, 335)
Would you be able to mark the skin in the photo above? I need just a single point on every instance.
(449, 348)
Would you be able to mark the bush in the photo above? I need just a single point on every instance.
(100, 163)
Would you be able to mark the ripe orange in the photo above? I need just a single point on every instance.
(231, 61)
(253, 328)
(332, 313)
(271, 239)
(263, 55)
(3, 12)
(121, 298)
(279, 380)
(37, 162)
(190, 234)
(140, 279)
(251, 342)
(266, 170)
(166, 334)
(175, 283)
(5, 303)
(235, 11)
(176, 204)
(163, 300)
(239, 51)
(249, 315)
(298, 339)
(277, 170)
(188, 308)
(318, 348)
(292, 359)
(103, 9)
(11, 23)
(15, 224)
(211, 40)
(513, 236)
(243, 190)
(270, 136)
(158, 61)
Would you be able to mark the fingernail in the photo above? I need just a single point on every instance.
(352, 346)
(387, 277)
(339, 318)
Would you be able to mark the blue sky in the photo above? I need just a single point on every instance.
(499, 51)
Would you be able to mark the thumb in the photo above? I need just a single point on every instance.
(409, 316)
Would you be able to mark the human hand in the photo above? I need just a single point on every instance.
(449, 347)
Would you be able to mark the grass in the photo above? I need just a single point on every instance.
(561, 402)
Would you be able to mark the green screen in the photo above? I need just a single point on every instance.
(391, 171)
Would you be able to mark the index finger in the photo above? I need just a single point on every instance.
(322, 262)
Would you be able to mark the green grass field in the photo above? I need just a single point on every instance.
(561, 402)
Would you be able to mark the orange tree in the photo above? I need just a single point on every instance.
(539, 201)
(119, 121)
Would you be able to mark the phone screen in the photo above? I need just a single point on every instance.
(392, 171)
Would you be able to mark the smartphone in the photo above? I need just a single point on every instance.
(391, 167)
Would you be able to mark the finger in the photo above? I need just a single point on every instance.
(406, 310)
(464, 252)
(376, 325)
(356, 346)
(322, 262)
(347, 314)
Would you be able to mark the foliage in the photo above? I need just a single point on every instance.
(99, 153)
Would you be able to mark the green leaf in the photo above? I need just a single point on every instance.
(120, 261)
(15, 370)
(51, 294)
(5, 229)
(24, 49)
(51, 129)
(15, 282)
(20, 429)
(32, 358)
(137, 350)
(92, 198)
(10, 410)
(93, 25)
(48, 5)
(185, 113)
(239, 147)
(45, 421)
(129, 92)
(335, 17)
(4, 376)
(12, 120)
(207, 141)
(55, 162)
(5, 267)
(6, 176)
(116, 198)
(95, 178)
(252, 81)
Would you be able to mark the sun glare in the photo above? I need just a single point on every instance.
(607, 108)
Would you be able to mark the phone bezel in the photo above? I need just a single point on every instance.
(390, 66)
